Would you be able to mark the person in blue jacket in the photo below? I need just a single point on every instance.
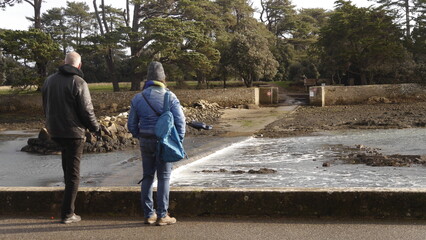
(141, 122)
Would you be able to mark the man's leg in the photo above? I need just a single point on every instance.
(72, 151)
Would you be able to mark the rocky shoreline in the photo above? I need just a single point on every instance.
(114, 134)
(369, 156)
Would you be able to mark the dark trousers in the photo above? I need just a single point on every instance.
(72, 151)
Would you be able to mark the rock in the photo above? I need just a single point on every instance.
(112, 129)
(102, 106)
(378, 100)
(44, 135)
(326, 164)
(262, 171)
(114, 107)
(124, 115)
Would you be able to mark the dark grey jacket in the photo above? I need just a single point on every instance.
(67, 104)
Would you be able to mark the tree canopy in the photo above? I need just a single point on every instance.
(206, 40)
(362, 42)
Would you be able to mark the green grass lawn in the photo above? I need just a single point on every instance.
(125, 86)
(283, 84)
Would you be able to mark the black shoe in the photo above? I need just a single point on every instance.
(74, 218)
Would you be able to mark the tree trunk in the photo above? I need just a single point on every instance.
(363, 78)
(248, 80)
(225, 77)
(98, 18)
(36, 4)
(2, 68)
(109, 56)
(201, 79)
(111, 68)
(407, 18)
(63, 38)
(136, 81)
(37, 14)
(127, 13)
(42, 72)
(104, 17)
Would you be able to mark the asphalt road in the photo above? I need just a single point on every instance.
(212, 228)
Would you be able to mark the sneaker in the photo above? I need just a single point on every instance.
(167, 220)
(151, 220)
(74, 218)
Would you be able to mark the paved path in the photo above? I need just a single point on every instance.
(212, 228)
(245, 122)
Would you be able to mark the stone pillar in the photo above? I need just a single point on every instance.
(256, 96)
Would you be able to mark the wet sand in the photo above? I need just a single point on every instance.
(307, 119)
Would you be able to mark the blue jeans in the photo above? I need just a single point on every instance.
(151, 163)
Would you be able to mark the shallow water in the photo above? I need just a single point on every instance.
(298, 162)
(24, 169)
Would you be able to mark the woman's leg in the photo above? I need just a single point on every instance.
(164, 170)
(148, 148)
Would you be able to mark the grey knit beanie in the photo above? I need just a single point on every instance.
(155, 72)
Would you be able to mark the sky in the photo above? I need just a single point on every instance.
(15, 17)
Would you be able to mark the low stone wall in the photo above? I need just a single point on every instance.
(120, 101)
(347, 95)
(14, 103)
(226, 97)
(286, 202)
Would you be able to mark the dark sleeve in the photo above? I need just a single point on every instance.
(133, 119)
(84, 105)
(44, 97)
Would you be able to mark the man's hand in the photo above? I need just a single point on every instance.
(98, 135)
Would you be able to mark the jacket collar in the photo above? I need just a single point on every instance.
(154, 83)
(70, 70)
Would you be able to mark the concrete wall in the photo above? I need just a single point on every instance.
(346, 95)
(287, 202)
(104, 100)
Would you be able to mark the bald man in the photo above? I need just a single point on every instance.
(69, 112)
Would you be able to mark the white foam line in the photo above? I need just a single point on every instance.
(177, 171)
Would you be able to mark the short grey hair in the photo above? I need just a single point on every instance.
(73, 58)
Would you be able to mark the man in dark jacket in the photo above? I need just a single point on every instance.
(69, 112)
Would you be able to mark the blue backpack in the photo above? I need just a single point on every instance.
(169, 145)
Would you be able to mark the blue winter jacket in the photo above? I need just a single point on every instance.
(142, 118)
